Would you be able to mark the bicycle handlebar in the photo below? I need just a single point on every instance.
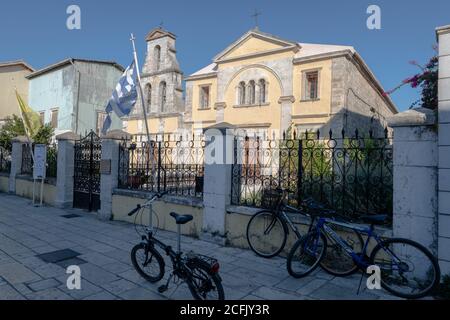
(139, 207)
(135, 210)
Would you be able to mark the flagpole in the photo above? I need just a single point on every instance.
(140, 88)
(144, 109)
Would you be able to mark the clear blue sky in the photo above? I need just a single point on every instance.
(36, 30)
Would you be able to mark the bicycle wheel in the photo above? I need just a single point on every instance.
(306, 254)
(266, 234)
(337, 261)
(148, 262)
(203, 284)
(408, 269)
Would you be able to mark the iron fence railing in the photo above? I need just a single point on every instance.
(351, 175)
(27, 160)
(5, 160)
(167, 163)
(52, 160)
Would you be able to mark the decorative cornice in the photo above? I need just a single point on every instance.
(117, 135)
(157, 73)
(254, 125)
(308, 116)
(156, 116)
(290, 99)
(294, 48)
(323, 56)
(443, 30)
(413, 117)
(68, 136)
(259, 35)
(220, 105)
(201, 76)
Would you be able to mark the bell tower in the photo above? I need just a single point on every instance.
(161, 77)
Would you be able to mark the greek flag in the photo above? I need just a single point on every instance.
(124, 97)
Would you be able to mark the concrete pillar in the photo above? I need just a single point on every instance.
(443, 35)
(16, 161)
(109, 171)
(219, 152)
(286, 112)
(65, 169)
(415, 176)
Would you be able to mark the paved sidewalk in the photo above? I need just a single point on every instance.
(26, 231)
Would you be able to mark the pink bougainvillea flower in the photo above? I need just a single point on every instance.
(407, 80)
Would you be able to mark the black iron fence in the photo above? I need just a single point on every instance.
(351, 175)
(27, 160)
(52, 160)
(5, 160)
(167, 163)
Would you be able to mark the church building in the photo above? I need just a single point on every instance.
(265, 83)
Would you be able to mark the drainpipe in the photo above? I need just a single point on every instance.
(78, 96)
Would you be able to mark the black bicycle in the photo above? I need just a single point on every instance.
(268, 230)
(199, 272)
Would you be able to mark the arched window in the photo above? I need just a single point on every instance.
(262, 91)
(157, 57)
(241, 90)
(252, 92)
(148, 91)
(162, 95)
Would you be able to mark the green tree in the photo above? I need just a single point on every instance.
(14, 127)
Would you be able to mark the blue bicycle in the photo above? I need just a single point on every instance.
(407, 269)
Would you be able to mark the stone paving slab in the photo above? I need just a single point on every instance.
(108, 274)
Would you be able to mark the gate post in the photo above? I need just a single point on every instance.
(219, 153)
(415, 176)
(65, 169)
(16, 161)
(109, 171)
(443, 35)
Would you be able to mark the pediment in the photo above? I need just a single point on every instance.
(253, 43)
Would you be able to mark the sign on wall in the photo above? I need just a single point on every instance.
(40, 161)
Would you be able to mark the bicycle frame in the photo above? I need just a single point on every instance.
(322, 225)
(285, 217)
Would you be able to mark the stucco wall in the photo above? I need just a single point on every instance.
(97, 83)
(58, 89)
(24, 188)
(4, 183)
(11, 77)
(54, 90)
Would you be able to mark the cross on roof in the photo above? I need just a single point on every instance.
(256, 17)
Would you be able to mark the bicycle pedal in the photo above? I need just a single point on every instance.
(162, 289)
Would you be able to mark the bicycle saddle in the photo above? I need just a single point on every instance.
(376, 218)
(181, 219)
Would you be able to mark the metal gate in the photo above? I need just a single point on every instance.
(86, 186)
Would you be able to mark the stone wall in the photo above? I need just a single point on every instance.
(356, 102)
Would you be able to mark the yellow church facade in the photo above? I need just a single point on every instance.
(267, 84)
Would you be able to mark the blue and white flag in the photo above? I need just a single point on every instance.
(124, 97)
